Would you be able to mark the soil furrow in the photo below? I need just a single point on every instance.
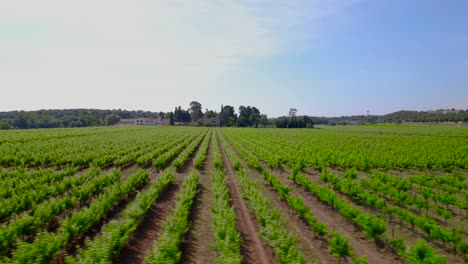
(252, 248)
(197, 246)
(142, 240)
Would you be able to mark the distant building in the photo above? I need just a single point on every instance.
(143, 122)
(213, 121)
(126, 122)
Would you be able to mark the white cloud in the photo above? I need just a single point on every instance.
(106, 53)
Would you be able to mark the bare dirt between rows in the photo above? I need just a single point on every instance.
(144, 237)
(54, 224)
(329, 216)
(362, 244)
(252, 248)
(71, 248)
(197, 246)
(401, 228)
(313, 247)
(142, 240)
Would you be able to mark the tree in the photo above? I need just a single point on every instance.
(210, 114)
(264, 120)
(195, 110)
(181, 115)
(248, 116)
(227, 116)
(255, 116)
(21, 120)
(111, 120)
(5, 125)
(171, 118)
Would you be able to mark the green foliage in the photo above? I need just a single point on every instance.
(421, 253)
(116, 233)
(201, 154)
(399, 245)
(166, 249)
(111, 120)
(26, 224)
(46, 244)
(272, 227)
(339, 246)
(350, 174)
(218, 160)
(188, 151)
(224, 222)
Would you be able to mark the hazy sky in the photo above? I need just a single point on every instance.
(323, 57)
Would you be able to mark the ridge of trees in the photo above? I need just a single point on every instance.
(247, 116)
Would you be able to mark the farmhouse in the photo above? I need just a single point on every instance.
(213, 121)
(143, 122)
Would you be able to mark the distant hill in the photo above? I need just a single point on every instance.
(442, 115)
(67, 118)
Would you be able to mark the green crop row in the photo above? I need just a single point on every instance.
(117, 232)
(46, 245)
(164, 158)
(26, 224)
(166, 249)
(202, 152)
(21, 181)
(187, 152)
(32, 197)
(227, 241)
(272, 227)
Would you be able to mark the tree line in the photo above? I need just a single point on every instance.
(246, 116)
(67, 118)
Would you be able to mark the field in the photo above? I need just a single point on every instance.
(357, 194)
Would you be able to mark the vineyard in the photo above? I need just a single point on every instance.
(358, 194)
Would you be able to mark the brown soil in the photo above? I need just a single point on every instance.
(402, 229)
(142, 240)
(197, 246)
(362, 244)
(329, 216)
(314, 248)
(71, 248)
(53, 224)
(252, 248)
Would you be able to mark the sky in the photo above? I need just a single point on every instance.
(322, 57)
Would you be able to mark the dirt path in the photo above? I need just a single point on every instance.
(197, 244)
(314, 248)
(252, 247)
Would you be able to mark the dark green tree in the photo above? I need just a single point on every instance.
(171, 118)
(227, 116)
(4, 125)
(111, 120)
(195, 110)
